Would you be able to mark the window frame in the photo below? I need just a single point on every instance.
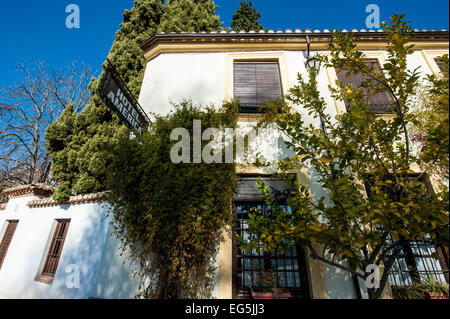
(256, 109)
(341, 108)
(43, 275)
(3, 241)
(430, 56)
(387, 110)
(303, 291)
(285, 76)
(408, 255)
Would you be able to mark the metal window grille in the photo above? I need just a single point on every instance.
(7, 238)
(414, 263)
(287, 267)
(56, 247)
(415, 260)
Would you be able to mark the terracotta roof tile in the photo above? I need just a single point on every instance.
(80, 199)
(29, 190)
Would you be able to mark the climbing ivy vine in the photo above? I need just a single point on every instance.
(170, 216)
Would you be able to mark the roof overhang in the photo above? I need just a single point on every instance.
(262, 41)
(29, 190)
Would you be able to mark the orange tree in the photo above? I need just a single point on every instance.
(355, 227)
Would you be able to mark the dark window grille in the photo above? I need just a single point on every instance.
(54, 254)
(7, 238)
(415, 263)
(380, 102)
(415, 260)
(256, 83)
(288, 267)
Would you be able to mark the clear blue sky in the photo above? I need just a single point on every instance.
(31, 29)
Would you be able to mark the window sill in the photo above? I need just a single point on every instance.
(250, 117)
(46, 279)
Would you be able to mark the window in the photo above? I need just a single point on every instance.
(54, 253)
(415, 259)
(440, 64)
(255, 83)
(288, 268)
(380, 102)
(7, 238)
(414, 262)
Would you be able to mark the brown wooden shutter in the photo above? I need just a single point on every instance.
(380, 102)
(247, 189)
(51, 264)
(255, 83)
(245, 82)
(443, 258)
(7, 238)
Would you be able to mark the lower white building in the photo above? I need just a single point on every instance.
(59, 251)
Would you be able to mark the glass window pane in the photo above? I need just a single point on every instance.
(290, 279)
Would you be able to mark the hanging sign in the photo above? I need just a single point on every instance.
(119, 99)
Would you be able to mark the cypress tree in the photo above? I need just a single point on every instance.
(80, 144)
(190, 16)
(246, 18)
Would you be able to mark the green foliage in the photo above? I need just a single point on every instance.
(246, 18)
(360, 147)
(3, 198)
(190, 16)
(79, 143)
(430, 123)
(407, 292)
(430, 284)
(170, 216)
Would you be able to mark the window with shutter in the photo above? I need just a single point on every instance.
(415, 260)
(289, 268)
(381, 102)
(7, 238)
(54, 253)
(440, 64)
(256, 83)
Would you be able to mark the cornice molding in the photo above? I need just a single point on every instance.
(236, 42)
(298, 36)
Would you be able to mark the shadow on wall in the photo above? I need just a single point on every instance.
(81, 255)
(199, 94)
(115, 279)
(339, 282)
(87, 255)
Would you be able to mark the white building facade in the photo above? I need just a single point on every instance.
(207, 69)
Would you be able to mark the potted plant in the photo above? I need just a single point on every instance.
(269, 289)
(433, 289)
(407, 292)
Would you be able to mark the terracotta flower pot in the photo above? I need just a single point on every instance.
(436, 295)
(277, 293)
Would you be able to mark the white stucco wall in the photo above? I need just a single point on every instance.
(202, 78)
(115, 279)
(83, 248)
(90, 243)
(199, 77)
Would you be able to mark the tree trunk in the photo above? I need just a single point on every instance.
(372, 293)
(167, 286)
